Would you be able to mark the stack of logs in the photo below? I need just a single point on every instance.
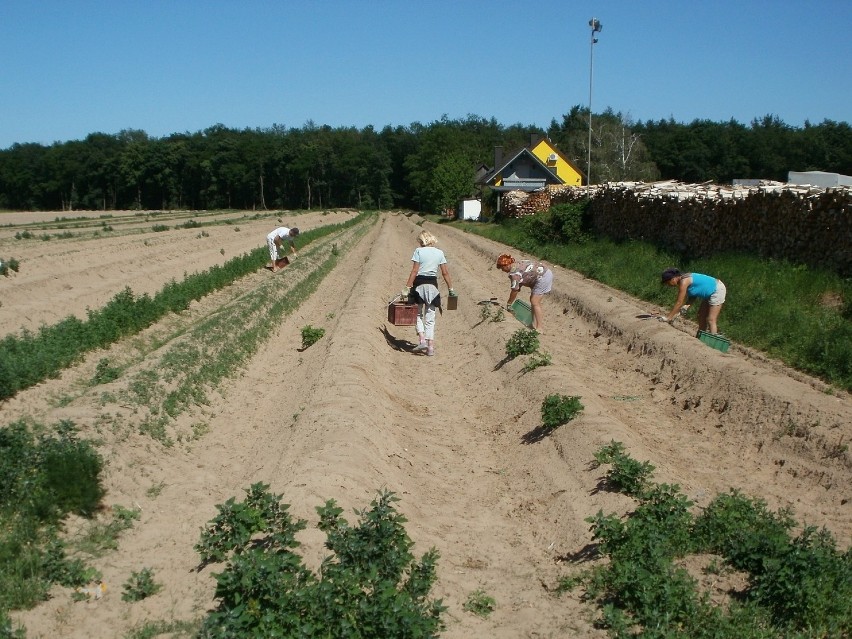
(521, 203)
(801, 224)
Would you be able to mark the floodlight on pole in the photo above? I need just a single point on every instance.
(596, 26)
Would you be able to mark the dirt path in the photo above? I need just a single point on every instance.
(455, 436)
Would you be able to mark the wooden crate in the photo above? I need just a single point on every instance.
(402, 314)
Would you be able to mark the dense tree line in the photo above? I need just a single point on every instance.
(422, 167)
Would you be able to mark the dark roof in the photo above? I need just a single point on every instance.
(550, 176)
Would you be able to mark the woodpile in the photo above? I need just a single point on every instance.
(801, 224)
(521, 203)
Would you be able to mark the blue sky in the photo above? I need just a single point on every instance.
(73, 67)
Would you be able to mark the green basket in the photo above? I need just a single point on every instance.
(719, 342)
(522, 312)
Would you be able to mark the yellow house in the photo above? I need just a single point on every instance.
(531, 168)
(564, 169)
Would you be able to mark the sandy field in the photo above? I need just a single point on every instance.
(457, 436)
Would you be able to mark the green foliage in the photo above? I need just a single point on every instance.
(557, 410)
(480, 603)
(370, 587)
(539, 358)
(311, 335)
(9, 265)
(104, 373)
(159, 228)
(560, 224)
(45, 474)
(797, 587)
(626, 474)
(140, 585)
(523, 341)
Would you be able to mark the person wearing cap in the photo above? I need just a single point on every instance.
(709, 290)
(535, 275)
(274, 240)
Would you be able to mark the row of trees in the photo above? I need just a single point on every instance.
(423, 167)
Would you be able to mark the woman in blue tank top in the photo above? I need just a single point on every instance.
(709, 290)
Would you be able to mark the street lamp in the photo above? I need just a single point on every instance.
(596, 26)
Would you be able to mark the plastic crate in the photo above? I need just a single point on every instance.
(522, 312)
(402, 314)
(719, 342)
(452, 302)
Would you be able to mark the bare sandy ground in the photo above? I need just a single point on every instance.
(455, 436)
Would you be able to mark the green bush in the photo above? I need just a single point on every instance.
(140, 585)
(370, 587)
(557, 410)
(311, 335)
(524, 341)
(796, 588)
(626, 475)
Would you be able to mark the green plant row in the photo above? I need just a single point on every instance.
(371, 586)
(44, 475)
(215, 349)
(797, 586)
(30, 358)
(800, 315)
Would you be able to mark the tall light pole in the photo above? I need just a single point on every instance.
(596, 26)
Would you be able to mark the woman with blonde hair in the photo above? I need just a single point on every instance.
(422, 288)
(535, 275)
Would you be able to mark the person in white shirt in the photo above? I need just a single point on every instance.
(274, 240)
(422, 288)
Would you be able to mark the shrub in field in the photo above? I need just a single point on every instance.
(311, 335)
(159, 228)
(539, 358)
(6, 266)
(797, 587)
(140, 585)
(43, 477)
(370, 587)
(524, 341)
(480, 603)
(557, 410)
(626, 475)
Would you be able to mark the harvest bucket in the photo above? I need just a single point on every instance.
(452, 302)
(522, 312)
(719, 342)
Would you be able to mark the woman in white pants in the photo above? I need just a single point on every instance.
(423, 279)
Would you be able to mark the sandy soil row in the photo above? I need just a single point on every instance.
(455, 436)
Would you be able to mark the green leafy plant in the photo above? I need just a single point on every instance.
(557, 410)
(524, 341)
(140, 585)
(539, 358)
(796, 586)
(626, 474)
(105, 373)
(499, 316)
(370, 586)
(311, 335)
(480, 604)
(9, 265)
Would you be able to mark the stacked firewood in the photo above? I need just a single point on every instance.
(802, 224)
(521, 203)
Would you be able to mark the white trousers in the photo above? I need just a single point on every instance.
(426, 320)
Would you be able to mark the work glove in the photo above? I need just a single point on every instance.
(663, 318)
(683, 309)
(405, 292)
(452, 292)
